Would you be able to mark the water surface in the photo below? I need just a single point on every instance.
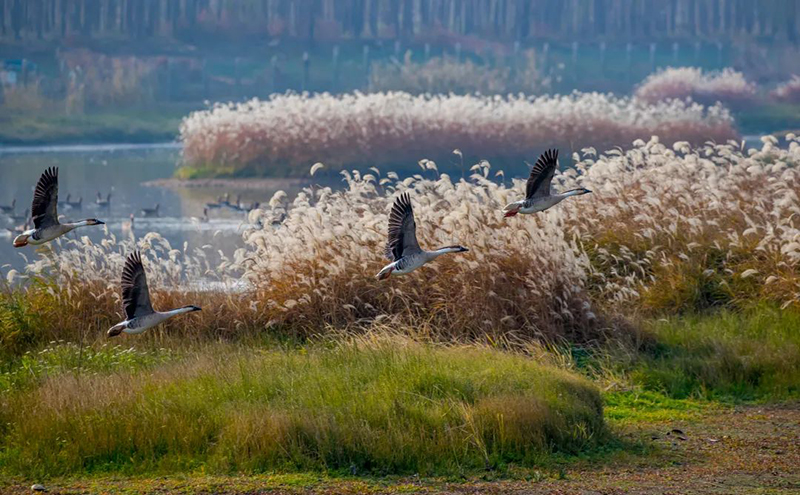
(122, 171)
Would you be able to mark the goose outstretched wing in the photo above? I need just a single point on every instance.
(44, 209)
(402, 230)
(135, 295)
(542, 175)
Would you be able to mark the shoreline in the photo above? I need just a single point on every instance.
(239, 184)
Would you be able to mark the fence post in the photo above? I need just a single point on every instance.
(365, 62)
(237, 75)
(545, 55)
(652, 57)
(575, 60)
(335, 63)
(206, 82)
(629, 61)
(273, 62)
(306, 71)
(602, 57)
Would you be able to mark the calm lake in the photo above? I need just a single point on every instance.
(122, 171)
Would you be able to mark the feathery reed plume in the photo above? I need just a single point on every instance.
(288, 133)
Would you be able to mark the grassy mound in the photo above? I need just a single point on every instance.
(372, 406)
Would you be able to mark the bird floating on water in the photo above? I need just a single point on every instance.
(139, 312)
(103, 203)
(77, 205)
(20, 218)
(151, 212)
(44, 211)
(538, 195)
(402, 246)
(9, 208)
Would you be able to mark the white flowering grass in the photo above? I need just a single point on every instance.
(288, 133)
(727, 86)
(667, 228)
(788, 91)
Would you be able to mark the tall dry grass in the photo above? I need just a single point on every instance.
(728, 86)
(788, 91)
(287, 133)
(668, 228)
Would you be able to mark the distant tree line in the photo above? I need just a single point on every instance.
(501, 20)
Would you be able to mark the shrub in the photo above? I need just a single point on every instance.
(287, 133)
(788, 91)
(728, 86)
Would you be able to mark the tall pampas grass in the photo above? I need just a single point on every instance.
(788, 91)
(667, 228)
(287, 133)
(728, 86)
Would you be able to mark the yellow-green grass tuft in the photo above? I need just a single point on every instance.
(366, 407)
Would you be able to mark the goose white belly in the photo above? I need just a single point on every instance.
(140, 324)
(47, 234)
(408, 264)
(540, 204)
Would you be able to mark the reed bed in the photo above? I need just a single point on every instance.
(727, 86)
(788, 91)
(287, 133)
(668, 228)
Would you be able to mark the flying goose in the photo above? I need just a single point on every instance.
(44, 211)
(151, 212)
(9, 208)
(402, 246)
(538, 196)
(103, 203)
(139, 313)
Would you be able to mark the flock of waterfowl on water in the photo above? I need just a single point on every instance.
(402, 247)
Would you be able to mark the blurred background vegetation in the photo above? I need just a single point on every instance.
(136, 67)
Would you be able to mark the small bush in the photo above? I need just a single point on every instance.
(728, 87)
(788, 91)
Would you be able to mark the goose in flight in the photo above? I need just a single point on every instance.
(139, 313)
(402, 247)
(44, 211)
(538, 196)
